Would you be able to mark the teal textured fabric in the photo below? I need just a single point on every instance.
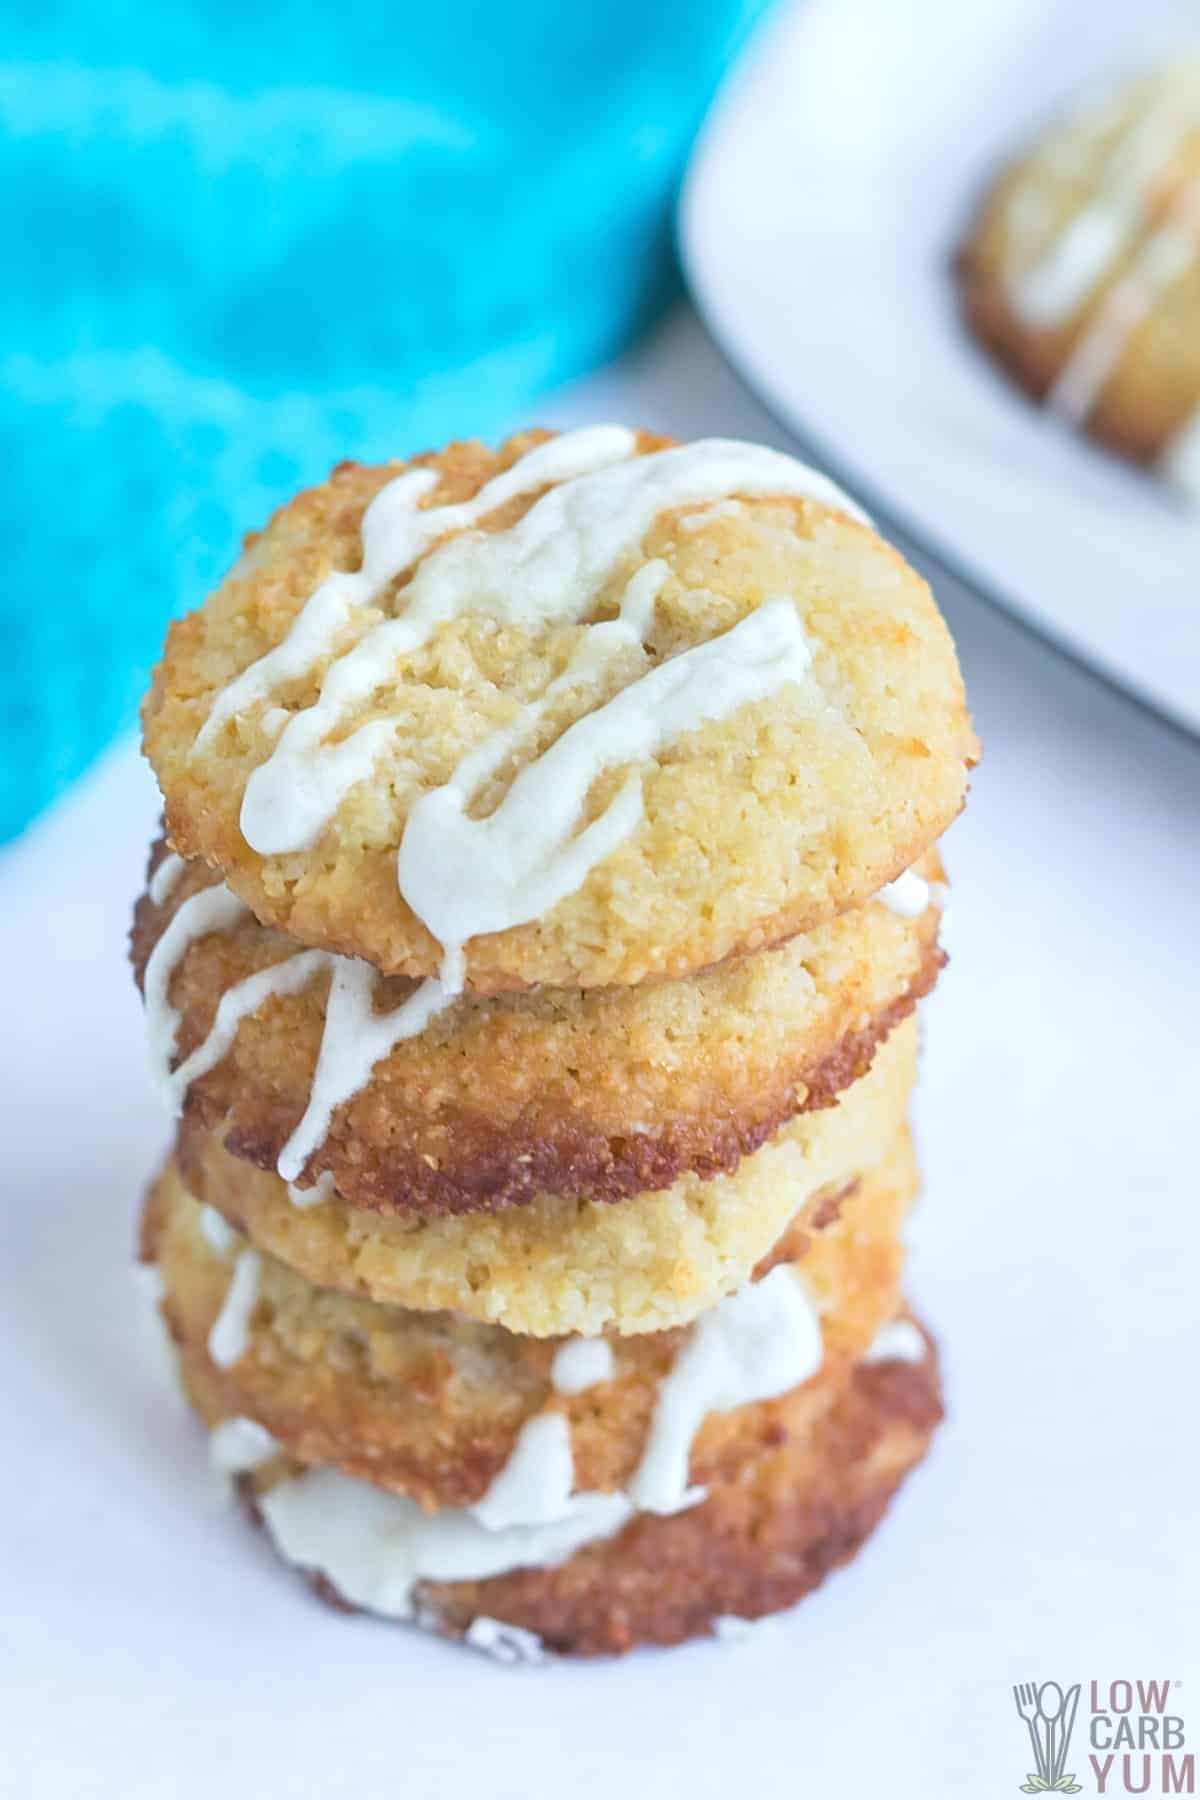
(245, 241)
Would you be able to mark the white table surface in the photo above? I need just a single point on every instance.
(150, 1646)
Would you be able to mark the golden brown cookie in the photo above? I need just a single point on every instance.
(602, 1093)
(784, 1509)
(559, 1265)
(733, 799)
(1081, 270)
(431, 1406)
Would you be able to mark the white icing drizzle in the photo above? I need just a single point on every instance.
(229, 1336)
(581, 1363)
(534, 1486)
(353, 1041)
(374, 1547)
(754, 1345)
(464, 877)
(550, 566)
(321, 1190)
(1166, 255)
(274, 719)
(325, 616)
(217, 1232)
(395, 534)
(899, 1341)
(505, 1643)
(939, 896)
(212, 909)
(1060, 280)
(236, 1003)
(160, 1345)
(166, 877)
(908, 895)
(238, 1445)
(424, 847)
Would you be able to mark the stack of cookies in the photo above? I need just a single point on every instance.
(548, 882)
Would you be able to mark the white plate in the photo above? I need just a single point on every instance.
(823, 204)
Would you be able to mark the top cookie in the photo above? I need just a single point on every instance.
(1081, 272)
(586, 710)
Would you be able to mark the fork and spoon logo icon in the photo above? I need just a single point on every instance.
(1049, 1714)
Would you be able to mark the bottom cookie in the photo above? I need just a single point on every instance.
(766, 1532)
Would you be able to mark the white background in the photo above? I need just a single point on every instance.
(148, 1643)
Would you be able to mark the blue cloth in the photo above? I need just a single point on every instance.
(247, 240)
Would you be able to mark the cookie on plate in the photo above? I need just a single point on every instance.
(1081, 269)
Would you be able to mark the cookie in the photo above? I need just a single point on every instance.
(558, 1265)
(601, 1093)
(432, 1406)
(587, 710)
(1081, 270)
